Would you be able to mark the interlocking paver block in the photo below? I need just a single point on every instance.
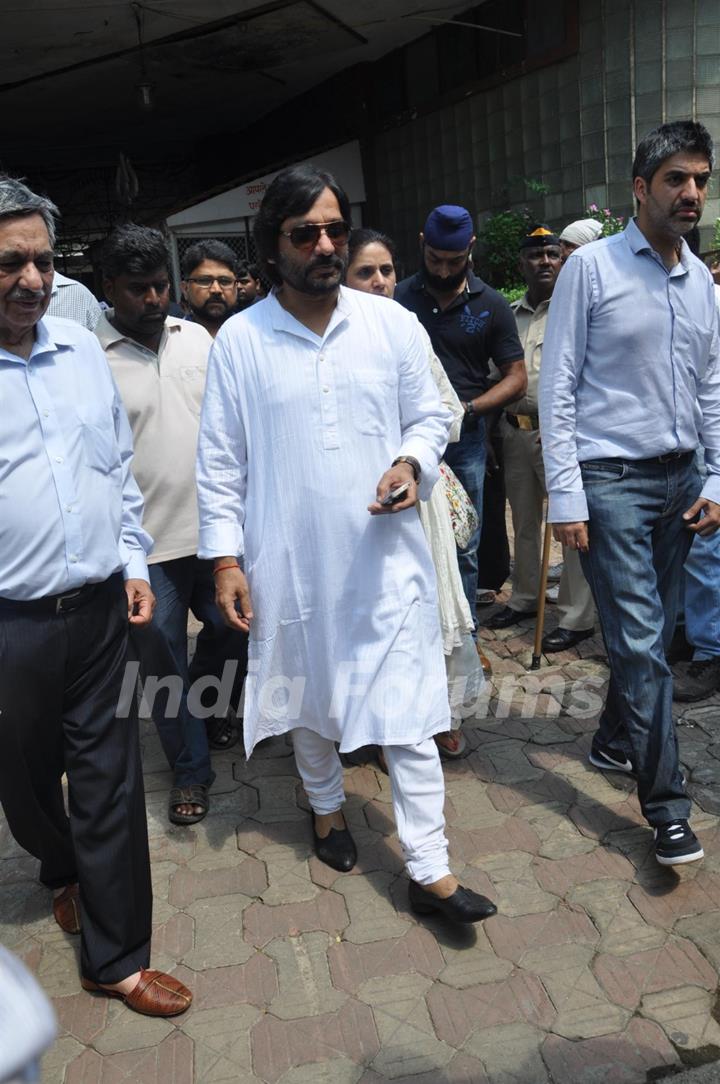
(471, 965)
(516, 889)
(351, 965)
(253, 836)
(511, 938)
(218, 932)
(127, 1030)
(510, 835)
(336, 1071)
(280, 1044)
(304, 977)
(288, 876)
(57, 971)
(687, 898)
(704, 931)
(168, 1062)
(582, 1009)
(560, 874)
(326, 912)
(81, 1016)
(59, 1062)
(508, 763)
(407, 1042)
(520, 997)
(627, 978)
(245, 875)
(625, 1058)
(372, 914)
(222, 1043)
(685, 1015)
(278, 801)
(510, 1053)
(468, 807)
(623, 930)
(254, 982)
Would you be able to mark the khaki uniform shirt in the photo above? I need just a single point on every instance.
(162, 394)
(531, 329)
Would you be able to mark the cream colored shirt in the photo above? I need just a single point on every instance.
(531, 329)
(162, 394)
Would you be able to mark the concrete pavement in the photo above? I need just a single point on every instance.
(600, 966)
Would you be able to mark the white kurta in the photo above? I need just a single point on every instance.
(296, 432)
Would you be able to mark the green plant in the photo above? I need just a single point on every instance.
(610, 223)
(500, 237)
(513, 294)
(716, 234)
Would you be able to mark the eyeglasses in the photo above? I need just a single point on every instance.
(308, 235)
(206, 281)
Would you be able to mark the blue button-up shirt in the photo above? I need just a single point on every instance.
(630, 365)
(70, 511)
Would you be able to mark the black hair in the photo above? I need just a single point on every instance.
(253, 270)
(668, 139)
(217, 251)
(366, 236)
(293, 192)
(134, 250)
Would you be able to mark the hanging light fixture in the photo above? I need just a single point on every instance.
(144, 88)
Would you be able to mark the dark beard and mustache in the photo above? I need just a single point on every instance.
(446, 284)
(299, 276)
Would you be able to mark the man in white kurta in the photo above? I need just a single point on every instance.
(301, 423)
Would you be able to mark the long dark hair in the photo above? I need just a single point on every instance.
(293, 192)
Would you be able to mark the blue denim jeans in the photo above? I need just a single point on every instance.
(467, 458)
(638, 544)
(180, 586)
(702, 590)
(702, 596)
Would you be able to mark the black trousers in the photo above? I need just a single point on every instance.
(60, 679)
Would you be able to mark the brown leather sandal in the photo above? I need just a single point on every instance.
(155, 994)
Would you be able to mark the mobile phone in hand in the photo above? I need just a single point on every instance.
(395, 495)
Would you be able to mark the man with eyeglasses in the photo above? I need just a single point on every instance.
(209, 283)
(468, 323)
(159, 363)
(321, 427)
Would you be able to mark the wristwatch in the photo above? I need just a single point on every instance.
(411, 462)
(469, 409)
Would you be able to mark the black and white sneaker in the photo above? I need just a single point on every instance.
(676, 843)
(610, 760)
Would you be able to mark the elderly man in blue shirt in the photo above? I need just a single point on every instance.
(73, 576)
(630, 385)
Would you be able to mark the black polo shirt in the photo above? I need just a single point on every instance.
(477, 326)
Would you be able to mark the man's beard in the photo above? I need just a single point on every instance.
(209, 311)
(448, 283)
(299, 275)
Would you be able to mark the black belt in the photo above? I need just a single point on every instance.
(52, 604)
(527, 422)
(667, 457)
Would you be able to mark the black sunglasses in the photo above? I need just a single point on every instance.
(308, 235)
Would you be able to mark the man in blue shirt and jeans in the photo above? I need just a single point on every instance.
(630, 385)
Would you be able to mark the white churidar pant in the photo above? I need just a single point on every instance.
(418, 795)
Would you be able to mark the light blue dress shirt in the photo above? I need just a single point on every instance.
(630, 365)
(70, 511)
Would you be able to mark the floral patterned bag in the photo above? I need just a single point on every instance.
(463, 516)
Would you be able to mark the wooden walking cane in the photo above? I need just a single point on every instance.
(540, 620)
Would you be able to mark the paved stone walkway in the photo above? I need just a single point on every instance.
(600, 966)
